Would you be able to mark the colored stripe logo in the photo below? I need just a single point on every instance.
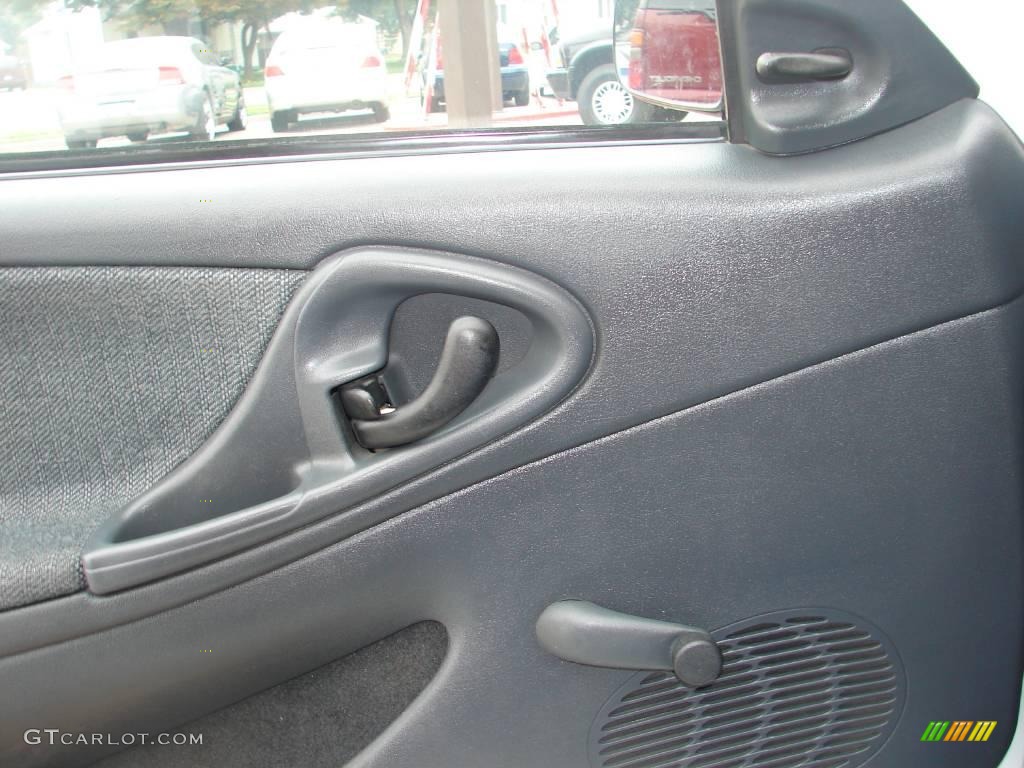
(959, 730)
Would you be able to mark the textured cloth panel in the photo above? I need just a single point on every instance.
(109, 378)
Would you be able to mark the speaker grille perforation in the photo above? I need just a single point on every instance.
(818, 689)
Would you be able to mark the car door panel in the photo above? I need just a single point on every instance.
(709, 539)
(780, 414)
(847, 311)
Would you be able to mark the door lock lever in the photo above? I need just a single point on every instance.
(822, 64)
(468, 361)
(579, 631)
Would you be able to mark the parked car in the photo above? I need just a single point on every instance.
(594, 65)
(325, 66)
(515, 77)
(150, 85)
(12, 73)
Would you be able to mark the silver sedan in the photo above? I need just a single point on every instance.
(149, 85)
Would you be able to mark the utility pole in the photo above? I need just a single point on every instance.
(471, 70)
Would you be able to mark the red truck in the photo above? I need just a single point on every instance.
(668, 50)
(673, 52)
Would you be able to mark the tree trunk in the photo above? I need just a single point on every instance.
(404, 24)
(249, 36)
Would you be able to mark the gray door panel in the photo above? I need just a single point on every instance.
(804, 395)
(831, 487)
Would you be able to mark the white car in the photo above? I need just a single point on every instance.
(326, 66)
(149, 85)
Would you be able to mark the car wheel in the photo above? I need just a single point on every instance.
(205, 128)
(279, 121)
(80, 143)
(241, 118)
(138, 138)
(381, 113)
(604, 100)
(522, 98)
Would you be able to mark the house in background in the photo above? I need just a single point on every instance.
(64, 38)
(60, 40)
(573, 15)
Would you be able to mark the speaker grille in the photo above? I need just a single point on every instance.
(798, 688)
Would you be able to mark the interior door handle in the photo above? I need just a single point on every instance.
(468, 361)
(822, 64)
(579, 631)
(283, 458)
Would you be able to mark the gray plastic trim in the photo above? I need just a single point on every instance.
(825, 683)
(1014, 757)
(900, 72)
(585, 633)
(335, 330)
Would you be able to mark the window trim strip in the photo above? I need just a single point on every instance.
(310, 148)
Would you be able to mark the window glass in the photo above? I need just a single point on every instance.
(82, 74)
(672, 52)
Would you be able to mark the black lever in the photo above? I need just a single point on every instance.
(468, 361)
(579, 631)
(822, 64)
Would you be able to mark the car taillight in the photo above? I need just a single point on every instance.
(514, 56)
(66, 83)
(272, 70)
(637, 70)
(171, 76)
(371, 61)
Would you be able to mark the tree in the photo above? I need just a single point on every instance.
(254, 15)
(394, 16)
(16, 17)
(404, 12)
(139, 13)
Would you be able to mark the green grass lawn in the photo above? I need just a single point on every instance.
(256, 100)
